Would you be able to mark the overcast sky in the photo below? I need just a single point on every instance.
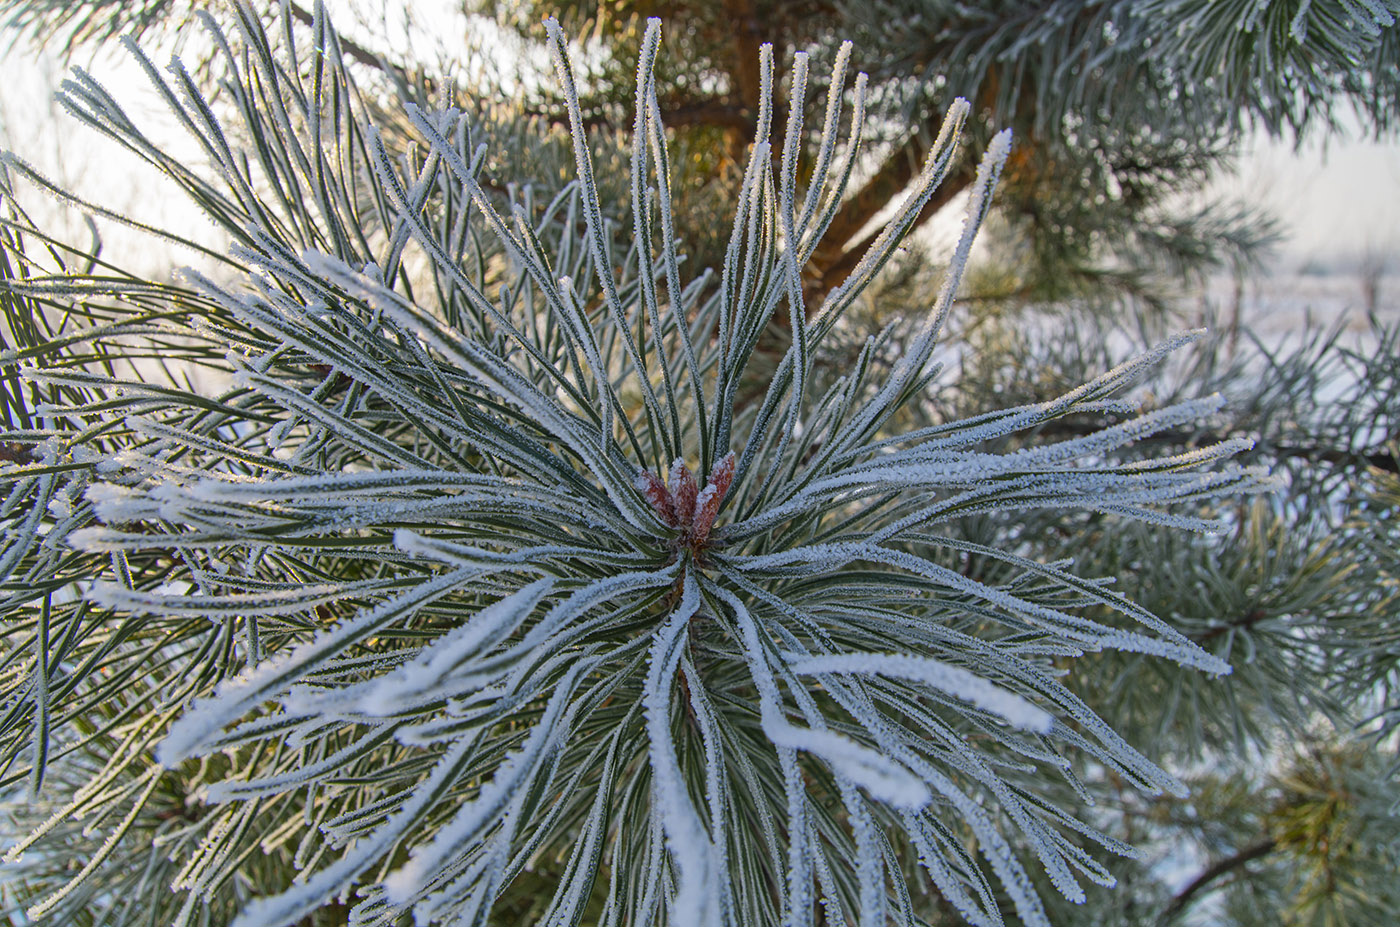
(1338, 205)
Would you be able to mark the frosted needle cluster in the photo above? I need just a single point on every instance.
(428, 606)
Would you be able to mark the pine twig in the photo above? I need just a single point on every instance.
(1210, 874)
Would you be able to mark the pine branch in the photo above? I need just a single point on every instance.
(900, 167)
(1245, 622)
(1382, 458)
(1210, 874)
(830, 269)
(721, 113)
(419, 561)
(356, 51)
(747, 38)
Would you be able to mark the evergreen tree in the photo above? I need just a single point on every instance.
(1119, 107)
(440, 591)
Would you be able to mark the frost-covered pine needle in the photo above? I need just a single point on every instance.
(483, 569)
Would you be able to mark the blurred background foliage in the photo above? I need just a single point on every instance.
(1122, 112)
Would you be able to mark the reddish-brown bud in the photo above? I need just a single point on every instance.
(654, 491)
(683, 491)
(707, 503)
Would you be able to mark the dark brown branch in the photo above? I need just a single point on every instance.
(690, 113)
(831, 269)
(1210, 874)
(1246, 621)
(355, 51)
(748, 34)
(712, 113)
(901, 167)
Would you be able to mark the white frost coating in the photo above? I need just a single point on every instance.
(716, 782)
(306, 896)
(335, 486)
(584, 336)
(279, 602)
(1041, 456)
(492, 373)
(696, 902)
(912, 364)
(883, 778)
(113, 503)
(228, 789)
(233, 698)
(1083, 631)
(934, 169)
(545, 636)
(799, 876)
(949, 885)
(586, 597)
(954, 680)
(525, 559)
(482, 631)
(593, 213)
(1104, 384)
(105, 850)
(706, 494)
(826, 152)
(831, 895)
(870, 870)
(474, 816)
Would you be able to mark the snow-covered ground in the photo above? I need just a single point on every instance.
(1281, 300)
